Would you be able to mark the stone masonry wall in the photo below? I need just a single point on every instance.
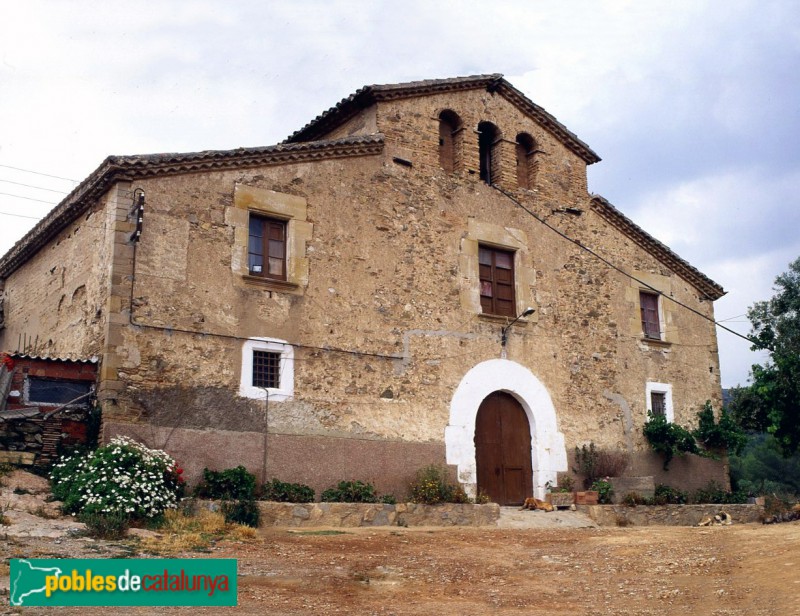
(351, 515)
(55, 303)
(670, 515)
(384, 326)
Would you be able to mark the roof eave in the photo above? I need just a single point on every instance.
(369, 95)
(129, 168)
(710, 289)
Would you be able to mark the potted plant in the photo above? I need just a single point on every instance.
(587, 497)
(561, 495)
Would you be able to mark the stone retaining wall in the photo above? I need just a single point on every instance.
(669, 515)
(365, 514)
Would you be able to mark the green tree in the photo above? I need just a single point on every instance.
(772, 402)
(761, 469)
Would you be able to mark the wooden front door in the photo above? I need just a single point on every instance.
(503, 450)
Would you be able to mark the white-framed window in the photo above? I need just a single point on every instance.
(267, 364)
(659, 400)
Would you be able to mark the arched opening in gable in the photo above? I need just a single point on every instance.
(488, 146)
(527, 161)
(450, 130)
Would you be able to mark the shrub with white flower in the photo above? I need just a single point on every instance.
(123, 478)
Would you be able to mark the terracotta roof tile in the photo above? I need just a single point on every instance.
(711, 289)
(368, 95)
(116, 168)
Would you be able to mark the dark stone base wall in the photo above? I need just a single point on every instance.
(688, 472)
(323, 461)
(317, 461)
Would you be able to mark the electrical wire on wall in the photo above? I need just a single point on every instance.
(616, 268)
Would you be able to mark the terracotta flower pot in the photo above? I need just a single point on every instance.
(588, 497)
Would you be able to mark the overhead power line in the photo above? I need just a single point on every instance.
(619, 269)
(28, 198)
(47, 175)
(20, 216)
(61, 192)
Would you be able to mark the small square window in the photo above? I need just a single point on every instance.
(266, 369)
(659, 400)
(658, 403)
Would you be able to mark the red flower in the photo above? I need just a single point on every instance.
(179, 471)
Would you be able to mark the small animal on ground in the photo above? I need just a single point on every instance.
(723, 518)
(535, 504)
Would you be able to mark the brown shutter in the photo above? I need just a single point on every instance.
(650, 323)
(496, 273)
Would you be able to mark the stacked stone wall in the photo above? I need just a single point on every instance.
(384, 326)
(54, 304)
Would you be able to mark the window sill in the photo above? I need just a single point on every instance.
(504, 320)
(271, 283)
(656, 342)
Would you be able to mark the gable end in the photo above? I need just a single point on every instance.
(619, 221)
(350, 106)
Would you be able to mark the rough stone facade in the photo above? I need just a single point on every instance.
(353, 515)
(379, 317)
(671, 515)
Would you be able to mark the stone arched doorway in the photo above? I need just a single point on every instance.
(503, 450)
(546, 450)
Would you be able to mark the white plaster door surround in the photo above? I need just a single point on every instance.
(548, 452)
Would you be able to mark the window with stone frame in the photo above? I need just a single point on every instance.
(267, 247)
(496, 273)
(651, 324)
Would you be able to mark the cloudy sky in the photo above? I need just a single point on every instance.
(693, 105)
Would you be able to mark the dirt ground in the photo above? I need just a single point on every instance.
(716, 571)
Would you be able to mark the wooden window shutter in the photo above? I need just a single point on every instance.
(496, 273)
(651, 326)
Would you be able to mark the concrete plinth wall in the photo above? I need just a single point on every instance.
(317, 461)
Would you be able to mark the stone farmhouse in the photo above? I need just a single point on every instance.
(419, 275)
